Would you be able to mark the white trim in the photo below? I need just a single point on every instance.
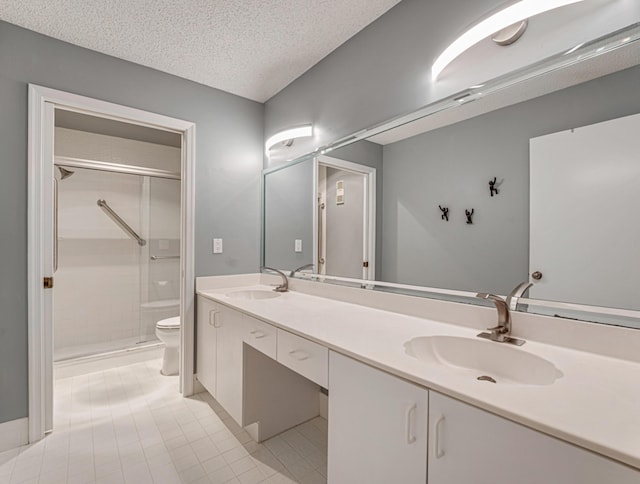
(369, 249)
(14, 433)
(40, 247)
(187, 261)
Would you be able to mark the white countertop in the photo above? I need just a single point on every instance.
(595, 404)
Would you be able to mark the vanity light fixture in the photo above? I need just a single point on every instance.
(506, 17)
(288, 135)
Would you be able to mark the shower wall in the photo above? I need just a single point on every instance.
(109, 293)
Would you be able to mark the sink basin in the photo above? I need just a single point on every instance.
(253, 294)
(495, 362)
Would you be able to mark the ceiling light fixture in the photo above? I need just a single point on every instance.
(506, 17)
(288, 135)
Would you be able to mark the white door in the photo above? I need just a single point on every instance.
(229, 377)
(468, 445)
(49, 260)
(584, 202)
(346, 219)
(377, 426)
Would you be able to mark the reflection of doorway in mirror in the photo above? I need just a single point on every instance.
(583, 226)
(343, 220)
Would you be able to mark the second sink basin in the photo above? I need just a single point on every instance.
(497, 362)
(253, 294)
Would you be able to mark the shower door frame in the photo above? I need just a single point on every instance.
(42, 103)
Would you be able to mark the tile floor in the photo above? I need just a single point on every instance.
(130, 425)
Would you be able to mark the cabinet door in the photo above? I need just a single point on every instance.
(206, 345)
(229, 361)
(377, 426)
(467, 444)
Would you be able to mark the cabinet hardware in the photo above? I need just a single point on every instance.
(48, 282)
(213, 318)
(298, 355)
(257, 334)
(409, 419)
(438, 444)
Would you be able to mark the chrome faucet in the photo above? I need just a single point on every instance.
(284, 287)
(301, 268)
(502, 332)
(516, 294)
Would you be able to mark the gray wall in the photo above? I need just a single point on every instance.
(229, 160)
(451, 166)
(289, 206)
(384, 70)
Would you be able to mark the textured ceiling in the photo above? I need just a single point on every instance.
(252, 48)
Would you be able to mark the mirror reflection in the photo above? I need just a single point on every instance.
(479, 200)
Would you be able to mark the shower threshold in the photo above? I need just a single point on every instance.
(102, 350)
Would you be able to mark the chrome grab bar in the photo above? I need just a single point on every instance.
(159, 257)
(116, 218)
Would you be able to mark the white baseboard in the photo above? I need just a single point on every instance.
(14, 433)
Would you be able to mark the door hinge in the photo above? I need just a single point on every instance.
(365, 264)
(48, 282)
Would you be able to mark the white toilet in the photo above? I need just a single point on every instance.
(168, 331)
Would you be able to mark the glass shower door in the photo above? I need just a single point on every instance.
(160, 268)
(97, 297)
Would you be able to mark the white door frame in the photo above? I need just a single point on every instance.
(369, 245)
(42, 102)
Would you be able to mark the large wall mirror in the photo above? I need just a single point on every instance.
(531, 177)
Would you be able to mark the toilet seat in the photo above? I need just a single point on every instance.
(169, 323)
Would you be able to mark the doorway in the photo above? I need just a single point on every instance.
(345, 219)
(131, 189)
(116, 236)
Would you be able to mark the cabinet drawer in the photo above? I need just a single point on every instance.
(305, 357)
(260, 335)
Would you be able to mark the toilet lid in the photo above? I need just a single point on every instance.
(169, 323)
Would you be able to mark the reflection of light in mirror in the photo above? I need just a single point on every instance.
(504, 18)
(573, 49)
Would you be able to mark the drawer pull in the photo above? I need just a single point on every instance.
(298, 355)
(438, 445)
(213, 318)
(257, 334)
(411, 411)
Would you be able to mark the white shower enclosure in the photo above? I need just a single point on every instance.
(118, 243)
(111, 288)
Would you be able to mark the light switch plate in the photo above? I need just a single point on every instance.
(298, 245)
(217, 246)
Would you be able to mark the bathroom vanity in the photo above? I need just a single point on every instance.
(395, 415)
